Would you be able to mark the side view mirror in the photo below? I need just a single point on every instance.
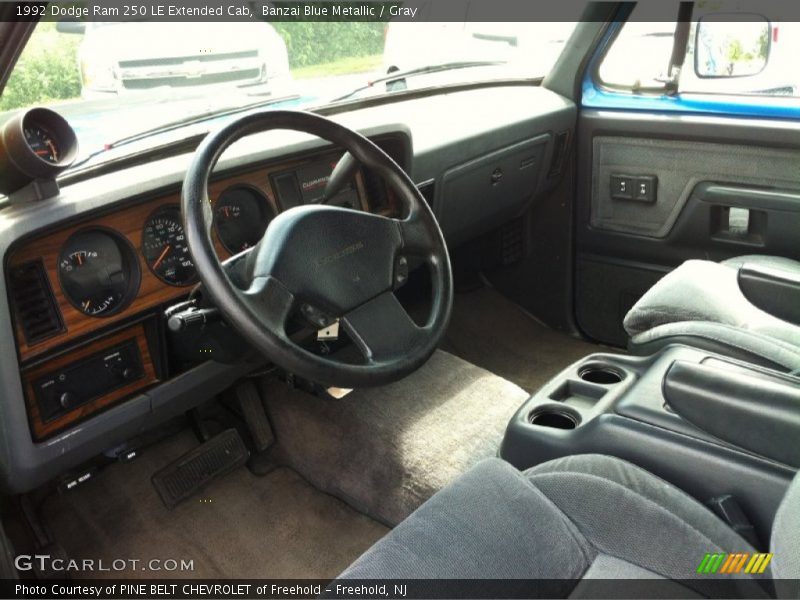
(728, 45)
(70, 27)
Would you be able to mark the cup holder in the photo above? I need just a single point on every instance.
(554, 417)
(602, 374)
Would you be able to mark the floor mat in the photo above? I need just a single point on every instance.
(386, 450)
(489, 330)
(277, 526)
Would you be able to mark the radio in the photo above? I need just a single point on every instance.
(65, 389)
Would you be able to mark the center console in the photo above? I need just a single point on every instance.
(710, 425)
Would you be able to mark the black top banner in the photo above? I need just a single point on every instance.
(376, 10)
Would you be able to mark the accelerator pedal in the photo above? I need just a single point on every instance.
(186, 476)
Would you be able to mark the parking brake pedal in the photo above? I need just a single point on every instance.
(254, 415)
(186, 476)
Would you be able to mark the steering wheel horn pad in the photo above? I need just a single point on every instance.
(339, 261)
(334, 258)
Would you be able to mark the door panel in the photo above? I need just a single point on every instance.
(720, 188)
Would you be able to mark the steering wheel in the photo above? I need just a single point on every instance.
(324, 263)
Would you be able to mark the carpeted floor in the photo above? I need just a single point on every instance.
(386, 450)
(492, 332)
(277, 526)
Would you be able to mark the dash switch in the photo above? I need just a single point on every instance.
(622, 187)
(644, 189)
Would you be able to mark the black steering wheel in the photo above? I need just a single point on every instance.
(324, 262)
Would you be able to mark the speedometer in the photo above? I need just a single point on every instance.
(165, 249)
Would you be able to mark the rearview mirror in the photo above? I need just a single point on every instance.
(725, 47)
(70, 27)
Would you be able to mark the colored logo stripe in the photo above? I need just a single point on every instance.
(724, 563)
(758, 564)
(710, 563)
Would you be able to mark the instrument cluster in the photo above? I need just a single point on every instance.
(99, 268)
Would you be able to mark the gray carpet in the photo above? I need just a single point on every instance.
(276, 526)
(386, 450)
(489, 330)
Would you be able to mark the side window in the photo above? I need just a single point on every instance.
(639, 57)
(727, 53)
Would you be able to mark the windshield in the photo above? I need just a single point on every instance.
(114, 81)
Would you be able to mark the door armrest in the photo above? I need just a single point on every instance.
(773, 290)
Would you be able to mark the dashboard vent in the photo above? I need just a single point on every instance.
(34, 303)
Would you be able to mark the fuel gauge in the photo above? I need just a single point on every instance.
(99, 272)
(241, 216)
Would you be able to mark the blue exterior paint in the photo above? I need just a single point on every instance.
(594, 95)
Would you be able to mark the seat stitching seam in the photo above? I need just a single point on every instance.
(573, 530)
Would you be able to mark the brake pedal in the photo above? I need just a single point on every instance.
(194, 470)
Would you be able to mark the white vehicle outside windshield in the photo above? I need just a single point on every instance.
(116, 80)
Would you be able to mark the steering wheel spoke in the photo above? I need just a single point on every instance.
(417, 239)
(271, 301)
(382, 329)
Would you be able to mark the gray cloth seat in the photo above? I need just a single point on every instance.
(574, 521)
(700, 304)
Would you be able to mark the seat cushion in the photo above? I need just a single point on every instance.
(700, 303)
(785, 543)
(582, 517)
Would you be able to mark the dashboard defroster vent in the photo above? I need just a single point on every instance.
(34, 303)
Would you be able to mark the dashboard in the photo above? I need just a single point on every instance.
(96, 288)
(87, 274)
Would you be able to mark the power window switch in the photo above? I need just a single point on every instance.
(622, 187)
(645, 188)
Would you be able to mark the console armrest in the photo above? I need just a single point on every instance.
(773, 290)
(755, 413)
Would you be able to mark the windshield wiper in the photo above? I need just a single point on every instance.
(398, 75)
(180, 123)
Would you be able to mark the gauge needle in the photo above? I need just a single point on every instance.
(86, 305)
(79, 259)
(53, 150)
(160, 258)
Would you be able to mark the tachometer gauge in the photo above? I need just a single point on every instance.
(165, 249)
(42, 142)
(35, 145)
(98, 271)
(241, 216)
